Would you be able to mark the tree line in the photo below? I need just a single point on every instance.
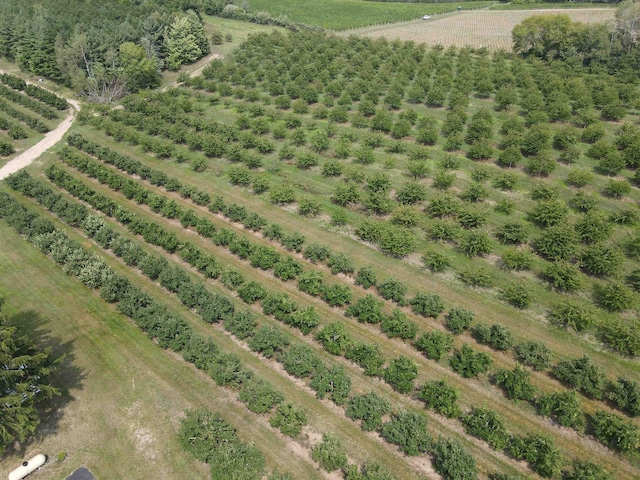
(103, 49)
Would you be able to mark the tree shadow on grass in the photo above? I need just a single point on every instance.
(67, 378)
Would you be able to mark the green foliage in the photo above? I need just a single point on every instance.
(572, 314)
(398, 325)
(334, 338)
(539, 450)
(340, 263)
(366, 277)
(211, 439)
(452, 461)
(614, 296)
(516, 383)
(289, 419)
(587, 471)
(515, 259)
(242, 324)
(513, 233)
(477, 277)
(392, 289)
(268, 341)
(311, 282)
(435, 261)
(582, 374)
(259, 395)
(485, 424)
(468, 363)
(496, 336)
(563, 407)
(333, 381)
(329, 453)
(366, 309)
(26, 379)
(251, 292)
(337, 295)
(316, 252)
(557, 243)
(441, 397)
(369, 408)
(475, 244)
(434, 344)
(625, 394)
(400, 374)
(408, 431)
(518, 294)
(616, 432)
(427, 304)
(459, 319)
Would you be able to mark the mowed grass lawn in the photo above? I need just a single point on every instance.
(343, 14)
(123, 396)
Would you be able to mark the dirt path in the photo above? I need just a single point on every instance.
(49, 140)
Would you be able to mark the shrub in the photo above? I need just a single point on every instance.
(408, 431)
(459, 319)
(268, 341)
(369, 408)
(337, 295)
(587, 471)
(251, 292)
(400, 374)
(311, 282)
(572, 314)
(305, 319)
(625, 394)
(616, 188)
(259, 395)
(242, 324)
(308, 207)
(517, 294)
(496, 336)
(393, 289)
(486, 425)
(563, 407)
(332, 381)
(366, 309)
(441, 397)
(289, 419)
(398, 325)
(557, 243)
(366, 277)
(582, 374)
(427, 305)
(435, 344)
(616, 432)
(477, 277)
(513, 233)
(541, 453)
(334, 338)
(452, 461)
(367, 356)
(475, 244)
(549, 213)
(514, 259)
(435, 261)
(329, 453)
(533, 354)
(468, 363)
(340, 263)
(613, 296)
(281, 194)
(516, 383)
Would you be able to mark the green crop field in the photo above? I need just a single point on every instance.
(366, 259)
(344, 14)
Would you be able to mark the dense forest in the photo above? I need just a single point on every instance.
(104, 49)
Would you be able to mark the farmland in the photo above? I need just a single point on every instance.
(482, 28)
(370, 258)
(343, 14)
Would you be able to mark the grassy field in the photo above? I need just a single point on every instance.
(489, 29)
(343, 14)
(123, 396)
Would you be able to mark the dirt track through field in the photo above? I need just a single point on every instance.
(49, 140)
